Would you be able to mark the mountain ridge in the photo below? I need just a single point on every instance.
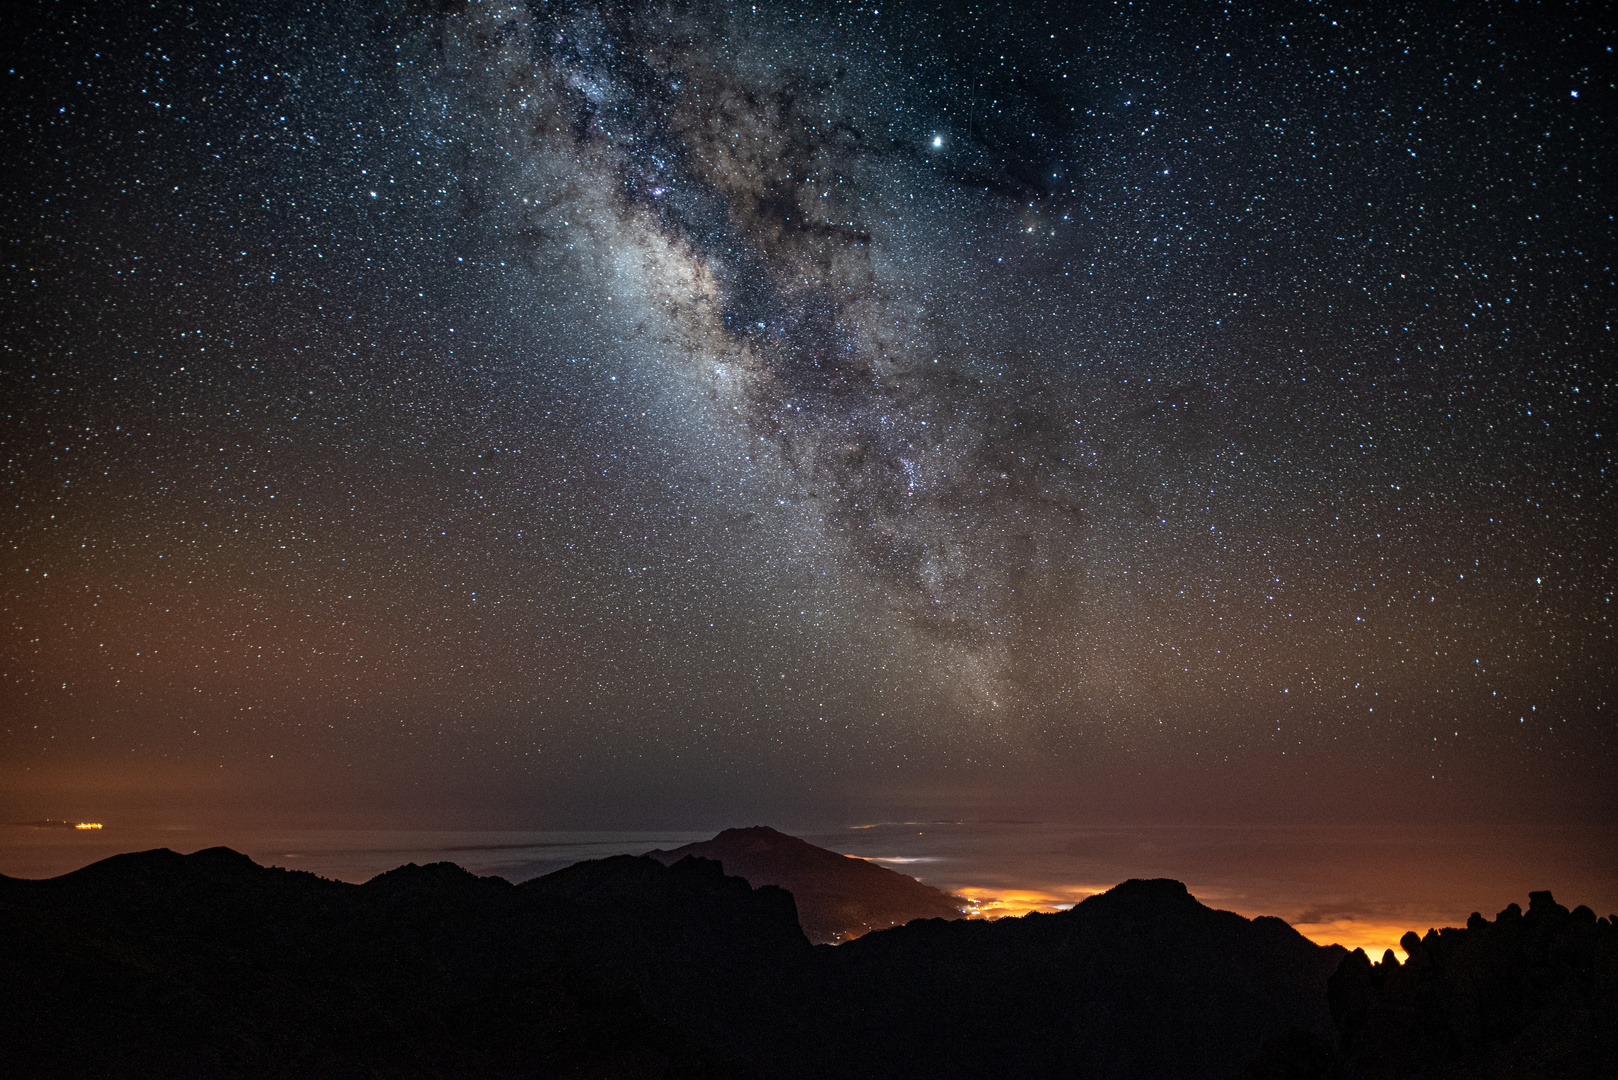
(839, 897)
(155, 964)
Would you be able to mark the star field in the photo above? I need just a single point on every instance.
(524, 404)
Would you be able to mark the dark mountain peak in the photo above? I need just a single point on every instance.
(626, 876)
(1149, 921)
(636, 879)
(762, 838)
(166, 867)
(132, 862)
(1155, 897)
(220, 856)
(1172, 987)
(698, 868)
(1154, 888)
(839, 897)
(214, 884)
(225, 864)
(437, 877)
(693, 901)
(759, 844)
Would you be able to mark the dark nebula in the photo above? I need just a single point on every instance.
(484, 411)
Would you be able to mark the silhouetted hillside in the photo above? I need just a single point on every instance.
(839, 897)
(158, 965)
(1141, 981)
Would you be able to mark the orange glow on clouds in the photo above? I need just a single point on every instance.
(991, 903)
(996, 903)
(1373, 937)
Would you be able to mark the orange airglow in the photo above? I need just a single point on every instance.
(1373, 937)
(992, 903)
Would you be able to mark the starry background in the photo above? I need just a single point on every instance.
(657, 414)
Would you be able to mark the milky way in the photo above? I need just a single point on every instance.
(591, 391)
(762, 261)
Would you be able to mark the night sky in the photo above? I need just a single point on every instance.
(696, 413)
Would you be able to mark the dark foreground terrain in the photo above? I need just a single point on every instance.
(159, 964)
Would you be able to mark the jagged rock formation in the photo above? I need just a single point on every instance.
(839, 897)
(1528, 996)
(159, 965)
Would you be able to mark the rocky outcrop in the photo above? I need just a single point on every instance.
(839, 897)
(1525, 996)
(158, 964)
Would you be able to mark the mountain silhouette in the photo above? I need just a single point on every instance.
(1140, 981)
(839, 897)
(1531, 996)
(157, 964)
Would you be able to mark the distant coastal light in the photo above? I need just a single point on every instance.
(54, 823)
(998, 903)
